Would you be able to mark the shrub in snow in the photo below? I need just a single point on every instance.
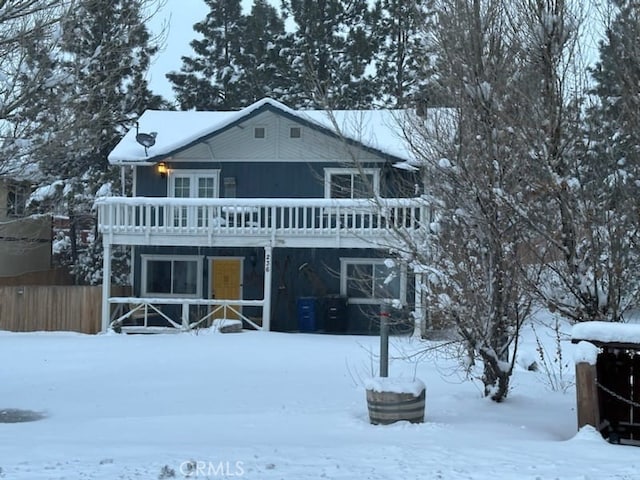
(553, 364)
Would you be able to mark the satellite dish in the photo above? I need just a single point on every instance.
(147, 140)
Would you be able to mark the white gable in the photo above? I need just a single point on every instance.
(379, 130)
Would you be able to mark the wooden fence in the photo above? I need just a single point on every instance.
(57, 276)
(53, 308)
(618, 372)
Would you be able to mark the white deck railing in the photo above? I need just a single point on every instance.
(143, 309)
(275, 217)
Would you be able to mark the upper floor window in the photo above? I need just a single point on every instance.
(295, 132)
(259, 132)
(17, 194)
(351, 182)
(193, 184)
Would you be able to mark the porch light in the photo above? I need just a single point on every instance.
(162, 169)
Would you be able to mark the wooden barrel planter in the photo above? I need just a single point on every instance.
(392, 405)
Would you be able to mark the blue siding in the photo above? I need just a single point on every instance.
(274, 179)
(291, 281)
(149, 183)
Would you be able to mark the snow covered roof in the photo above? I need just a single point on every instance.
(378, 130)
(600, 333)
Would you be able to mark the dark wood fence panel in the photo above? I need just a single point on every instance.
(618, 375)
(53, 308)
(58, 276)
(635, 397)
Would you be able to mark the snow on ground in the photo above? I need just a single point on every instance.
(268, 406)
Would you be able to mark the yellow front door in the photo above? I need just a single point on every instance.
(225, 284)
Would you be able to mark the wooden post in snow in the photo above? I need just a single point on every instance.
(419, 310)
(185, 315)
(587, 395)
(384, 339)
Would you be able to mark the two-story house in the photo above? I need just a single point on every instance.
(282, 218)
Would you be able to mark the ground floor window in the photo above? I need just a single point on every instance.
(371, 280)
(164, 276)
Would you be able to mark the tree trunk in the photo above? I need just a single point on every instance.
(494, 378)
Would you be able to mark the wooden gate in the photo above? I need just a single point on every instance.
(618, 382)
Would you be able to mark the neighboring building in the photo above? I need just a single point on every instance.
(265, 214)
(25, 241)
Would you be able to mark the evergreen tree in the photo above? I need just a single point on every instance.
(331, 53)
(266, 69)
(609, 177)
(582, 199)
(617, 77)
(105, 54)
(403, 61)
(211, 80)
(236, 62)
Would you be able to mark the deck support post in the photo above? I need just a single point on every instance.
(106, 284)
(268, 272)
(185, 315)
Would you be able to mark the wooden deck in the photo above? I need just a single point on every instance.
(301, 223)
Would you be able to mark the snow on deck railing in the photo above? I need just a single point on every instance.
(293, 216)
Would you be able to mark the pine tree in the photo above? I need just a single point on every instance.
(211, 80)
(237, 61)
(403, 61)
(105, 53)
(617, 77)
(266, 70)
(609, 175)
(331, 52)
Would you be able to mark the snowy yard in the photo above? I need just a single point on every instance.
(275, 406)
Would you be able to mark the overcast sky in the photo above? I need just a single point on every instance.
(179, 16)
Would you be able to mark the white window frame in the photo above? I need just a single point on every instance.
(354, 172)
(170, 258)
(194, 176)
(346, 261)
(180, 215)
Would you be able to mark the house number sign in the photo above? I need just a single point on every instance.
(267, 262)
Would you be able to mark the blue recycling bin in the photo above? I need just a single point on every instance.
(307, 314)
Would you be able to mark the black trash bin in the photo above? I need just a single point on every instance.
(336, 320)
(307, 314)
